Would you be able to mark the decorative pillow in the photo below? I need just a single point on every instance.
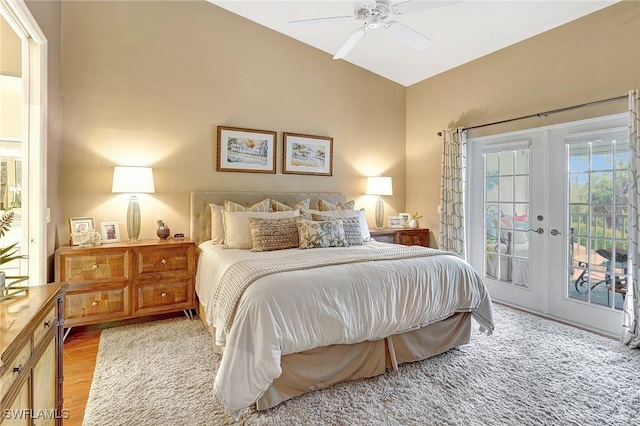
(326, 233)
(346, 214)
(277, 206)
(237, 232)
(262, 206)
(351, 226)
(217, 227)
(327, 206)
(273, 234)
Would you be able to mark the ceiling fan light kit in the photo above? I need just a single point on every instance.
(373, 14)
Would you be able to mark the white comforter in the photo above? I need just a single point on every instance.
(296, 311)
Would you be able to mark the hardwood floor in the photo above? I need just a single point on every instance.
(80, 350)
(79, 362)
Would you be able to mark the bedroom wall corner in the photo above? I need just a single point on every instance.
(147, 83)
(592, 58)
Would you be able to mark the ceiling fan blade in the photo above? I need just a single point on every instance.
(348, 45)
(411, 6)
(407, 35)
(329, 18)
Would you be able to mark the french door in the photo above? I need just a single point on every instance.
(548, 222)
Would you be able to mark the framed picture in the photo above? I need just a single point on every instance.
(246, 150)
(110, 232)
(395, 222)
(406, 217)
(307, 154)
(78, 225)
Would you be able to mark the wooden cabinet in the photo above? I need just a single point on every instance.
(31, 357)
(121, 281)
(404, 236)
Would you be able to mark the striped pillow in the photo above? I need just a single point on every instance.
(263, 206)
(277, 206)
(327, 206)
(273, 234)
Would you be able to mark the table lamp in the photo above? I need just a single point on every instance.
(379, 185)
(133, 180)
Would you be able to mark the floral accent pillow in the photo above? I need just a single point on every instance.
(327, 206)
(317, 234)
(351, 226)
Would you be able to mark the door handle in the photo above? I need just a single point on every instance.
(555, 232)
(537, 231)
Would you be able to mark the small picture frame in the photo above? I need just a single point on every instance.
(110, 232)
(406, 217)
(78, 225)
(246, 150)
(395, 222)
(307, 154)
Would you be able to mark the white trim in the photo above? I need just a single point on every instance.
(34, 135)
(492, 147)
(614, 133)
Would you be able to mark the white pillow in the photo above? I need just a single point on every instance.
(237, 231)
(345, 214)
(217, 227)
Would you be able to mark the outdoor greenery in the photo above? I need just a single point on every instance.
(9, 254)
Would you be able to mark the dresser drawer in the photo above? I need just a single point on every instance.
(154, 296)
(84, 306)
(103, 266)
(13, 369)
(45, 325)
(414, 239)
(168, 259)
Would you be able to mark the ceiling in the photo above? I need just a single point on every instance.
(460, 31)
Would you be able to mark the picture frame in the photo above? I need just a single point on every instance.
(110, 232)
(246, 150)
(78, 225)
(307, 154)
(406, 217)
(395, 222)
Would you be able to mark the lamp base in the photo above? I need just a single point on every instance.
(133, 220)
(379, 213)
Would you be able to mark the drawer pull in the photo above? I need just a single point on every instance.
(94, 303)
(95, 266)
(47, 323)
(163, 261)
(18, 369)
(163, 294)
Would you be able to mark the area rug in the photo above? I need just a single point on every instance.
(530, 371)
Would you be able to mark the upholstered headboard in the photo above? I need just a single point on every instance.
(200, 219)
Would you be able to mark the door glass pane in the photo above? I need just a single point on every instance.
(598, 218)
(506, 203)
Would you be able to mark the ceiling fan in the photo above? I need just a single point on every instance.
(374, 14)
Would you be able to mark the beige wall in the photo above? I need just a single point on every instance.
(596, 57)
(146, 83)
(47, 15)
(9, 50)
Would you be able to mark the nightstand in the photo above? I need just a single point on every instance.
(404, 236)
(121, 280)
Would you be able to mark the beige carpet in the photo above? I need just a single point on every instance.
(529, 372)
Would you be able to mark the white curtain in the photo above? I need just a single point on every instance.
(630, 331)
(452, 191)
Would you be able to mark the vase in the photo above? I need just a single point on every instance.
(163, 232)
(413, 223)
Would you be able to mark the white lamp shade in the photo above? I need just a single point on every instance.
(133, 180)
(379, 185)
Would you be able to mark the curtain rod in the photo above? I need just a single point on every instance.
(545, 113)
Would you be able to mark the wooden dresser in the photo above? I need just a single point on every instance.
(404, 236)
(31, 357)
(120, 281)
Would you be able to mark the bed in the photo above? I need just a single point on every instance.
(329, 314)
